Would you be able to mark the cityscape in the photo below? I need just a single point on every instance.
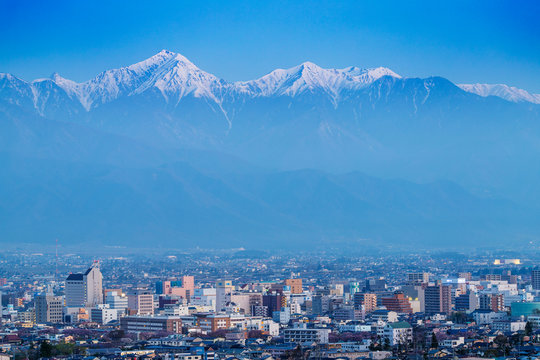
(239, 304)
(269, 180)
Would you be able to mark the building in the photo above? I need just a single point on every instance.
(283, 316)
(492, 277)
(438, 299)
(465, 275)
(494, 302)
(535, 279)
(508, 326)
(417, 278)
(375, 285)
(295, 285)
(365, 301)
(466, 302)
(300, 333)
(213, 323)
(183, 287)
(524, 308)
(398, 333)
(320, 304)
(384, 316)
(151, 324)
(49, 309)
(204, 297)
(224, 289)
(140, 302)
(117, 301)
(398, 303)
(354, 287)
(482, 317)
(103, 314)
(86, 289)
(273, 302)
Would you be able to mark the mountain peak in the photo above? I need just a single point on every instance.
(506, 92)
(310, 77)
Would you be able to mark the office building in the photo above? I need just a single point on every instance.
(417, 278)
(49, 309)
(86, 289)
(300, 333)
(494, 302)
(438, 299)
(117, 301)
(295, 285)
(398, 303)
(535, 279)
(103, 314)
(151, 324)
(224, 289)
(365, 301)
(140, 302)
(466, 302)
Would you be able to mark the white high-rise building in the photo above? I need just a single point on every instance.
(85, 290)
(224, 288)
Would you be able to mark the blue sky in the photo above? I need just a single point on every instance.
(465, 41)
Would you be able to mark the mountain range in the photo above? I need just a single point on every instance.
(164, 151)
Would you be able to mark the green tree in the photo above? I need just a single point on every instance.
(386, 345)
(434, 341)
(45, 349)
(528, 328)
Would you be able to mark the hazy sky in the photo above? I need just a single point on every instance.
(465, 41)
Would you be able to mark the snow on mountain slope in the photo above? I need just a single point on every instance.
(175, 77)
(506, 92)
(308, 77)
(172, 74)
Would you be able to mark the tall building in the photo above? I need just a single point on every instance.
(493, 302)
(535, 279)
(438, 299)
(49, 309)
(467, 302)
(224, 288)
(295, 285)
(417, 278)
(365, 301)
(320, 304)
(86, 289)
(140, 302)
(273, 302)
(398, 303)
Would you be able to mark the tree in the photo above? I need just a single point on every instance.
(45, 349)
(528, 328)
(434, 341)
(386, 345)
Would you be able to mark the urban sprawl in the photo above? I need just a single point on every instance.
(255, 305)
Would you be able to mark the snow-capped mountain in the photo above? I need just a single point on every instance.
(170, 73)
(309, 77)
(157, 146)
(174, 78)
(506, 92)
